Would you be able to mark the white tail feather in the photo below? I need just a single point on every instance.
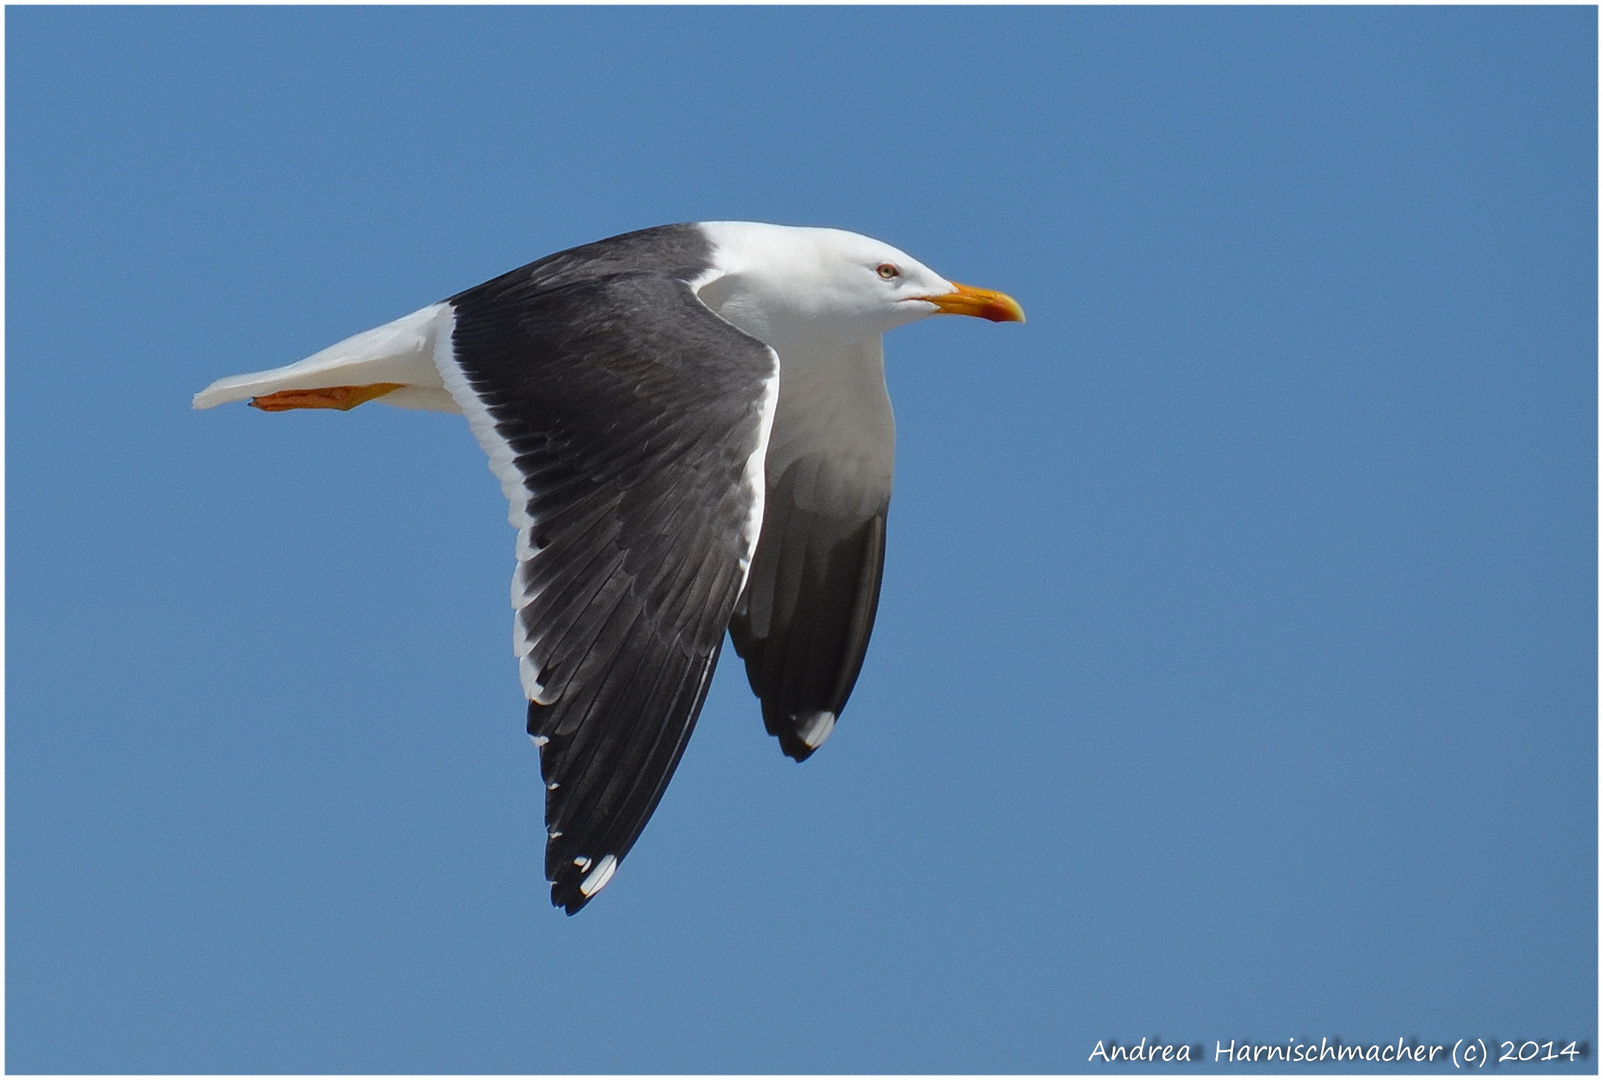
(397, 352)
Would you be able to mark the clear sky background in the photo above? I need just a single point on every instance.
(1235, 673)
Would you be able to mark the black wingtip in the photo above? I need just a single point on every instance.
(783, 727)
(574, 886)
(566, 895)
(795, 749)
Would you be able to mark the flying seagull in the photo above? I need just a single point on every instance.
(691, 425)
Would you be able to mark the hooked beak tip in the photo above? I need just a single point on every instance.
(981, 303)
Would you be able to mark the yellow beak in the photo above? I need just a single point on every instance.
(967, 300)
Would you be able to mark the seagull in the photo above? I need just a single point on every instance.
(691, 426)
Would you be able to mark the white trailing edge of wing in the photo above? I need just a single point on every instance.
(501, 457)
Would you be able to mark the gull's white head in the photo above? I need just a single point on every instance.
(781, 283)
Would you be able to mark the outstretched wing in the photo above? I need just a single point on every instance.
(803, 623)
(628, 425)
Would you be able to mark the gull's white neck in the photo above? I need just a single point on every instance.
(834, 414)
(808, 293)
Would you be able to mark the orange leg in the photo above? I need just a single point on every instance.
(343, 398)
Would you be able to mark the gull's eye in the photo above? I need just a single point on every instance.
(888, 271)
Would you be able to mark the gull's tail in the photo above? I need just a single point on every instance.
(393, 363)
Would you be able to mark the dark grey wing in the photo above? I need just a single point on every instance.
(673, 251)
(627, 423)
(803, 623)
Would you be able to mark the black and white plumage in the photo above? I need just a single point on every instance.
(692, 429)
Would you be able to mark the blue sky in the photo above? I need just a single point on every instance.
(1235, 672)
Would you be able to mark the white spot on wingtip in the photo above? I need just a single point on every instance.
(582, 862)
(598, 877)
(553, 834)
(539, 740)
(815, 729)
(552, 786)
